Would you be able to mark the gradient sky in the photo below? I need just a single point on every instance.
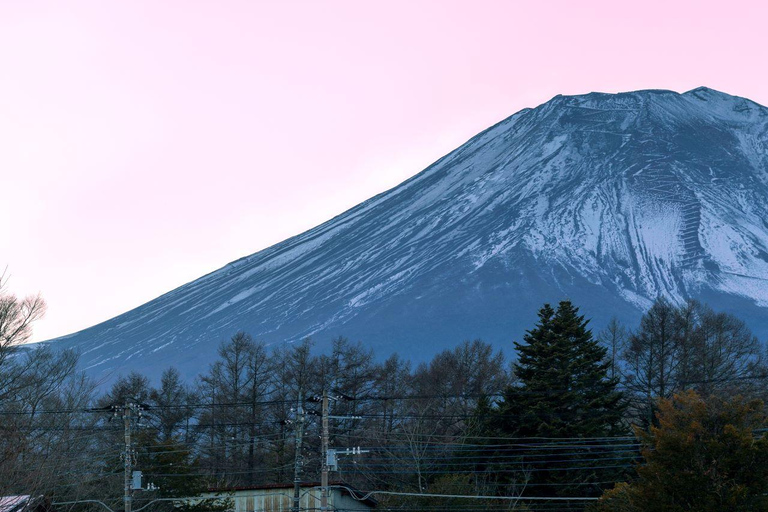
(146, 143)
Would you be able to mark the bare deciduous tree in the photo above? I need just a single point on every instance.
(614, 338)
(16, 319)
(688, 346)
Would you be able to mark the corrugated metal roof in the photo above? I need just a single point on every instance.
(337, 485)
(14, 503)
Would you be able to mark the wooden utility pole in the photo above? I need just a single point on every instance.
(324, 457)
(297, 455)
(127, 409)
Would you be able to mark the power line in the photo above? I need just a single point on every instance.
(368, 494)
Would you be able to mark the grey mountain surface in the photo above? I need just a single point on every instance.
(609, 200)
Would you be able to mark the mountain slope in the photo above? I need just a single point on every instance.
(608, 199)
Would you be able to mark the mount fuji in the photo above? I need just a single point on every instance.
(610, 200)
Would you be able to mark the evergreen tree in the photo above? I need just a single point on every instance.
(563, 392)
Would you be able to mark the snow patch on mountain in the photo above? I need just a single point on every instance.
(609, 199)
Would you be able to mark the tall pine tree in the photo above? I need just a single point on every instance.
(563, 394)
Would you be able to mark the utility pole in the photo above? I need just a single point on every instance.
(127, 410)
(131, 481)
(214, 452)
(297, 456)
(324, 456)
(329, 456)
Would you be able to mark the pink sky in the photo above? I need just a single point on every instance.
(146, 143)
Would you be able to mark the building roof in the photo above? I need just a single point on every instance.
(12, 503)
(339, 485)
(23, 502)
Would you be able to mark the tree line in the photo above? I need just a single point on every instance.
(571, 414)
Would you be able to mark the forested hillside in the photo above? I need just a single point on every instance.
(555, 421)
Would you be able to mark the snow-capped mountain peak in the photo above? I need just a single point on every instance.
(609, 199)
